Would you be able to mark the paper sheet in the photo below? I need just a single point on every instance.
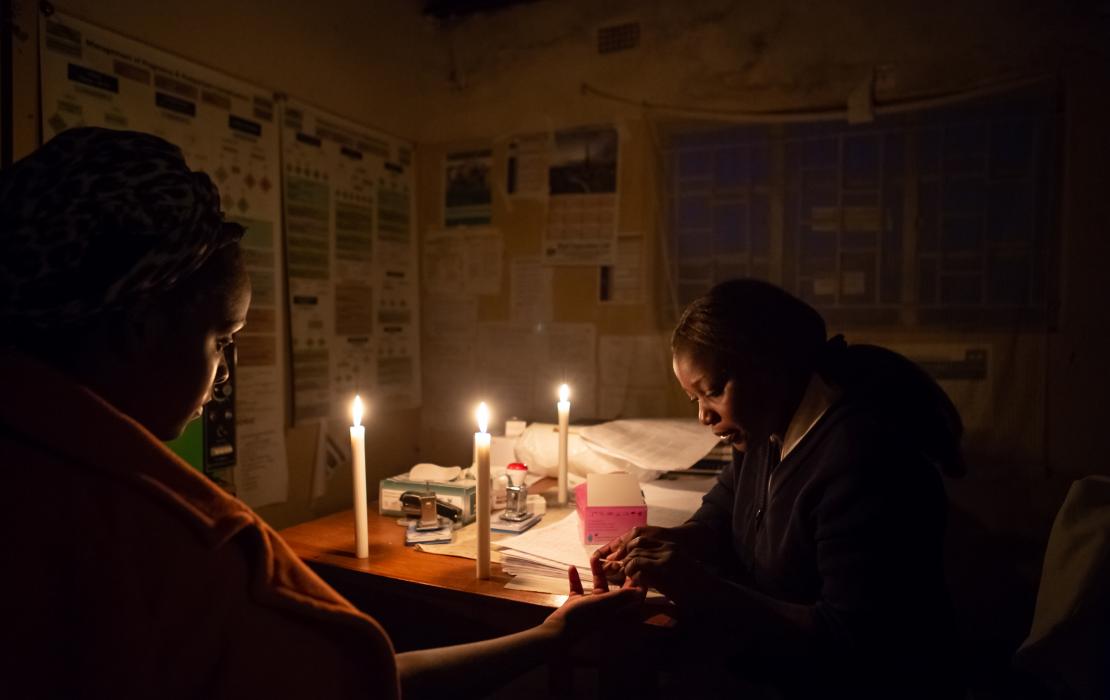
(463, 261)
(466, 538)
(353, 302)
(623, 281)
(505, 358)
(538, 558)
(582, 209)
(633, 371)
(398, 332)
(332, 453)
(568, 354)
(226, 128)
(661, 444)
(527, 165)
(530, 290)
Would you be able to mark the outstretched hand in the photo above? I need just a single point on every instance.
(583, 612)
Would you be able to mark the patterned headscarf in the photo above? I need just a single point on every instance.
(97, 220)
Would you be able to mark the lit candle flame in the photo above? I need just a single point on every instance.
(356, 410)
(564, 393)
(483, 417)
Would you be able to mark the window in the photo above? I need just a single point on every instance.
(936, 218)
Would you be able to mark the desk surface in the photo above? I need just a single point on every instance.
(329, 542)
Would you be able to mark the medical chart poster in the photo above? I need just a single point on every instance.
(582, 207)
(228, 129)
(351, 262)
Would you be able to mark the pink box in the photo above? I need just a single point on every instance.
(609, 505)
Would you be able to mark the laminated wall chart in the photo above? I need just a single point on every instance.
(352, 265)
(226, 128)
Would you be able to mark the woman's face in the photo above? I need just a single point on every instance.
(188, 358)
(739, 406)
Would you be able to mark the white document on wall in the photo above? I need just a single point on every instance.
(449, 372)
(228, 129)
(582, 209)
(660, 444)
(530, 290)
(633, 374)
(526, 165)
(353, 300)
(398, 332)
(463, 260)
(567, 354)
(505, 359)
(623, 282)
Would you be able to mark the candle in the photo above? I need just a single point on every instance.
(564, 428)
(358, 479)
(481, 449)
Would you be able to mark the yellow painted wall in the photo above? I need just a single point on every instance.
(523, 69)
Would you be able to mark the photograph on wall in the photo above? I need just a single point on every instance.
(466, 188)
(582, 208)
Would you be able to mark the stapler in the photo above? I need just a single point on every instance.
(428, 509)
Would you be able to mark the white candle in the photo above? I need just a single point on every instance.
(481, 449)
(358, 479)
(564, 429)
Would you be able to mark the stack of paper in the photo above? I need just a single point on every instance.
(547, 552)
(539, 558)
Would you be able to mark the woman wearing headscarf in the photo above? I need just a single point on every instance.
(814, 564)
(128, 573)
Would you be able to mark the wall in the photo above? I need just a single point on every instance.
(364, 61)
(1036, 425)
(521, 69)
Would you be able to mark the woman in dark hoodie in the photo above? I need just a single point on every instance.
(815, 562)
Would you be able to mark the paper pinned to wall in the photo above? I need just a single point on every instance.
(332, 453)
(466, 188)
(449, 372)
(463, 260)
(530, 290)
(454, 315)
(354, 303)
(526, 165)
(623, 282)
(398, 332)
(633, 375)
(226, 128)
(582, 209)
(483, 260)
(506, 356)
(567, 354)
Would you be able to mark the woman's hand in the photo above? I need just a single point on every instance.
(583, 612)
(611, 556)
(653, 563)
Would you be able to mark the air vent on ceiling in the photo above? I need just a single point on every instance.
(618, 37)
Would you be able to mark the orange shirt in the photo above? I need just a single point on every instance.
(127, 574)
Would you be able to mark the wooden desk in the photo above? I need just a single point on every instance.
(421, 599)
(427, 600)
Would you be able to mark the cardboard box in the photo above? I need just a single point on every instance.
(462, 493)
(609, 505)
